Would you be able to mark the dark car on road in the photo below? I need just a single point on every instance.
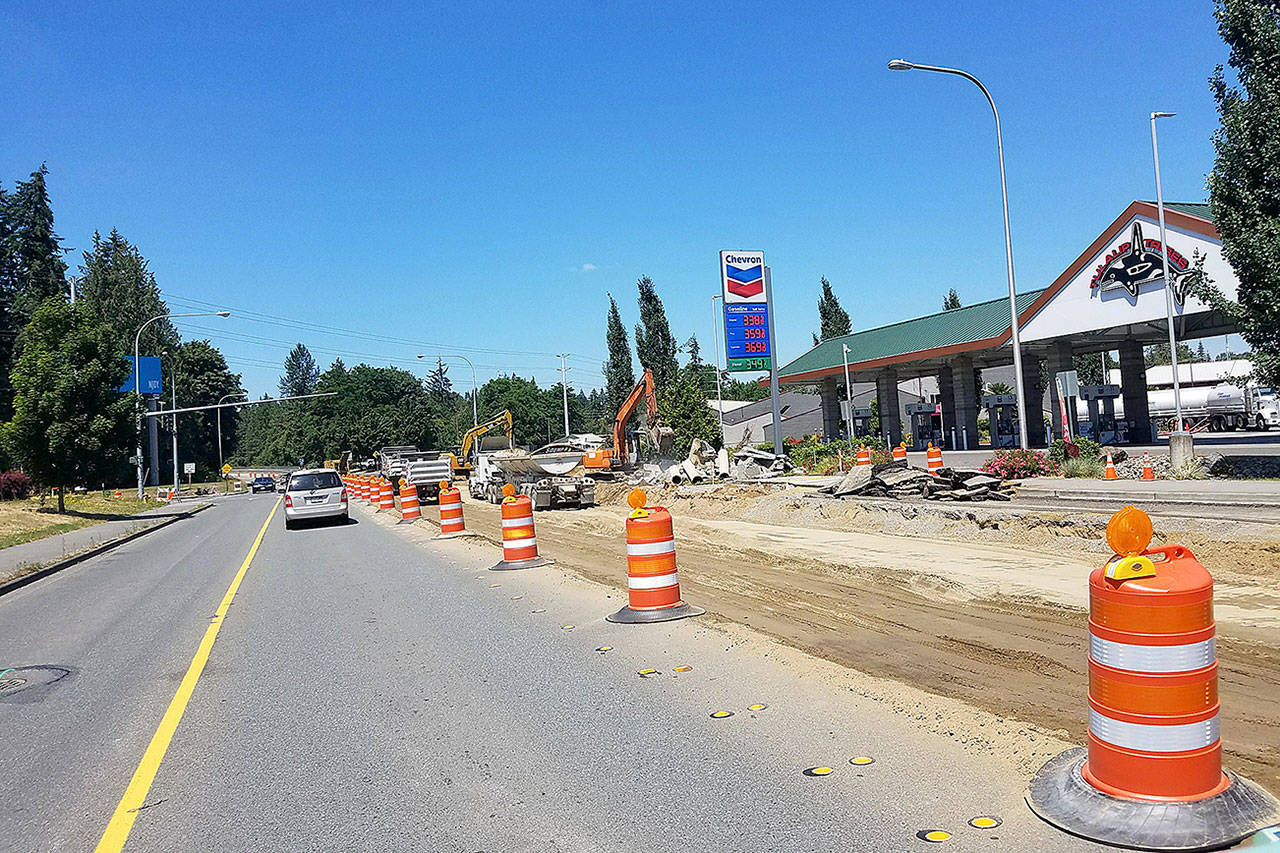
(262, 484)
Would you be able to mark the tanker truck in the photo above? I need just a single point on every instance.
(1217, 408)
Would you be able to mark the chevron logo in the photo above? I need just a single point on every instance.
(745, 282)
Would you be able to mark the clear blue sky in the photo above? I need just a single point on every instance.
(480, 175)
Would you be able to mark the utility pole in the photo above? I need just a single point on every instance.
(219, 411)
(564, 387)
(715, 335)
(173, 375)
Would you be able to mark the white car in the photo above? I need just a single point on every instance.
(313, 494)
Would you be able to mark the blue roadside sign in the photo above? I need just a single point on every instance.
(148, 375)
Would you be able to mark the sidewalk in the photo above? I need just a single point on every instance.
(57, 547)
(1206, 492)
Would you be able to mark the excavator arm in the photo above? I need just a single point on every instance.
(618, 456)
(462, 462)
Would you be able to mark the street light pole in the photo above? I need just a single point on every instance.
(564, 388)
(475, 390)
(848, 395)
(903, 65)
(715, 335)
(137, 387)
(1179, 430)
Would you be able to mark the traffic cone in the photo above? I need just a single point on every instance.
(864, 456)
(900, 452)
(1151, 777)
(1110, 473)
(409, 509)
(452, 525)
(519, 542)
(935, 458)
(653, 581)
(1148, 473)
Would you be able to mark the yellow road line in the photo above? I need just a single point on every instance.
(117, 831)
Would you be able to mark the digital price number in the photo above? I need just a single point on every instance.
(746, 335)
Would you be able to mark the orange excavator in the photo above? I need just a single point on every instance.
(618, 457)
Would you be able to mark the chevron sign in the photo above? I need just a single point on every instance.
(742, 277)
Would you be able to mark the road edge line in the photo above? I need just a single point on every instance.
(135, 795)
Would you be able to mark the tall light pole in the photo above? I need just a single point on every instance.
(222, 400)
(715, 335)
(173, 381)
(903, 65)
(1178, 430)
(137, 387)
(848, 395)
(564, 388)
(475, 390)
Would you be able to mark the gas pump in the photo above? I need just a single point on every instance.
(926, 425)
(861, 421)
(1103, 426)
(1002, 415)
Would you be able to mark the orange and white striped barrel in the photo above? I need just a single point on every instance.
(409, 509)
(1153, 682)
(864, 455)
(900, 453)
(365, 485)
(375, 491)
(935, 457)
(386, 496)
(653, 579)
(519, 541)
(451, 521)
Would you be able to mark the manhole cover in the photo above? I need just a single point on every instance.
(11, 683)
(30, 683)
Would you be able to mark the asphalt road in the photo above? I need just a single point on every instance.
(370, 691)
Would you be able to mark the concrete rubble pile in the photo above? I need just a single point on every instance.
(899, 480)
(705, 464)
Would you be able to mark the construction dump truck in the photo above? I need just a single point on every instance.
(543, 476)
(423, 468)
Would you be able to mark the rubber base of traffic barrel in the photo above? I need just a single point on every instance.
(512, 565)
(628, 616)
(1059, 795)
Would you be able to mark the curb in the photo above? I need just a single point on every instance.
(53, 568)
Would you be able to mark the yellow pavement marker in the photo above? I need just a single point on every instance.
(117, 831)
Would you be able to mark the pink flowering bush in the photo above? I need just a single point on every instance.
(1017, 464)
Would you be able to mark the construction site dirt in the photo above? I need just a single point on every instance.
(988, 606)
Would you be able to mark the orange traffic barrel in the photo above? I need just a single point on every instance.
(935, 457)
(451, 521)
(519, 542)
(409, 509)
(1151, 776)
(386, 497)
(900, 452)
(1110, 473)
(365, 486)
(1148, 473)
(864, 455)
(117, 495)
(653, 580)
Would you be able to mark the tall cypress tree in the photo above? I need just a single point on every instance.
(655, 345)
(1244, 186)
(952, 301)
(832, 319)
(39, 269)
(619, 377)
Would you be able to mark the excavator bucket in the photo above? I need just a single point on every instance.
(663, 438)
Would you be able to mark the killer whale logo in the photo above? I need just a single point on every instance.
(1137, 262)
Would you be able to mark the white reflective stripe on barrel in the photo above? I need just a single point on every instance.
(526, 521)
(1178, 738)
(1135, 658)
(649, 549)
(521, 544)
(652, 581)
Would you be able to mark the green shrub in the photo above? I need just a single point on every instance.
(1083, 467)
(1086, 448)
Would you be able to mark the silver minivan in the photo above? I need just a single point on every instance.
(314, 494)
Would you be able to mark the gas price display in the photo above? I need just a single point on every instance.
(746, 335)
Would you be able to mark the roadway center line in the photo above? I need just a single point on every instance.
(117, 831)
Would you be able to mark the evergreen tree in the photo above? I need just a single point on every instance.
(39, 270)
(300, 373)
(203, 379)
(682, 405)
(619, 377)
(439, 385)
(832, 319)
(1159, 354)
(952, 302)
(1088, 367)
(9, 325)
(70, 426)
(116, 287)
(1244, 186)
(695, 353)
(1201, 355)
(655, 345)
